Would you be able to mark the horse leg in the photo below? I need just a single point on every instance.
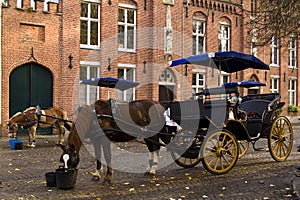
(105, 143)
(99, 169)
(61, 134)
(32, 133)
(153, 156)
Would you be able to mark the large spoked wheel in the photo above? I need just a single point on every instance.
(243, 147)
(185, 161)
(220, 152)
(281, 139)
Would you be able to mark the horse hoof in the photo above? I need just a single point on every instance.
(96, 178)
(107, 181)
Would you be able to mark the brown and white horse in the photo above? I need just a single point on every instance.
(144, 118)
(33, 118)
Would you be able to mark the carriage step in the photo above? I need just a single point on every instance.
(256, 137)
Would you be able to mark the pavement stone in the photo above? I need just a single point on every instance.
(34, 175)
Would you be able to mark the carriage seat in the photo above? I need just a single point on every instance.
(255, 108)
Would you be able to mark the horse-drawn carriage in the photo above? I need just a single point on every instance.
(221, 139)
(214, 131)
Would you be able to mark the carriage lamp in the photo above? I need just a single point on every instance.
(108, 62)
(144, 66)
(70, 61)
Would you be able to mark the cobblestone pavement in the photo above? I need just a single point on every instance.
(255, 176)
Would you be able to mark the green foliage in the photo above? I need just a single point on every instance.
(292, 108)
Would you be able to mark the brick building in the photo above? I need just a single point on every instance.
(48, 47)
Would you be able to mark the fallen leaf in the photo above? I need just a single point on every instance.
(131, 189)
(223, 188)
(17, 169)
(187, 188)
(204, 196)
(221, 195)
(271, 185)
(126, 183)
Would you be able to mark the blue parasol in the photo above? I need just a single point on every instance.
(246, 84)
(110, 82)
(228, 61)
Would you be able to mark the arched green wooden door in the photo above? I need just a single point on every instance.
(30, 85)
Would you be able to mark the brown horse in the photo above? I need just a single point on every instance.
(33, 118)
(142, 118)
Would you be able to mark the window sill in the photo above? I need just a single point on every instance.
(89, 47)
(127, 50)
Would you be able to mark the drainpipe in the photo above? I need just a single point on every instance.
(1, 68)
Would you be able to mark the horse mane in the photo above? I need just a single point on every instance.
(15, 115)
(30, 108)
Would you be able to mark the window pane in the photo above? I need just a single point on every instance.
(94, 33)
(93, 72)
(200, 44)
(194, 79)
(194, 45)
(83, 73)
(83, 32)
(94, 11)
(130, 37)
(121, 36)
(130, 16)
(121, 17)
(121, 73)
(84, 10)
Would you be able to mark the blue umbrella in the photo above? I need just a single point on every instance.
(246, 84)
(228, 61)
(110, 82)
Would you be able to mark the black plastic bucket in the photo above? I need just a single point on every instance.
(50, 179)
(66, 178)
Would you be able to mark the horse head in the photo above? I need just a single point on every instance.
(73, 142)
(13, 124)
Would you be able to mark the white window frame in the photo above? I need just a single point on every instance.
(274, 54)
(126, 25)
(292, 53)
(122, 95)
(19, 4)
(89, 20)
(222, 75)
(199, 35)
(272, 84)
(5, 2)
(292, 92)
(223, 38)
(33, 4)
(199, 88)
(89, 65)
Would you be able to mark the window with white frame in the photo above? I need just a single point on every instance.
(274, 84)
(292, 52)
(199, 29)
(88, 94)
(224, 78)
(90, 24)
(19, 3)
(198, 82)
(127, 28)
(5, 2)
(292, 91)
(33, 4)
(224, 37)
(274, 57)
(127, 72)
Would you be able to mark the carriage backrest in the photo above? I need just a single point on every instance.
(255, 105)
